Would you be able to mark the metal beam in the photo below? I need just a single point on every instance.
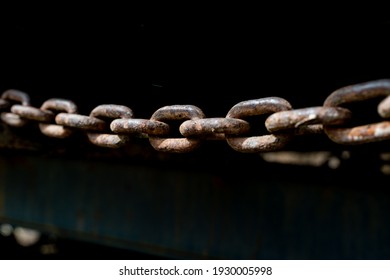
(180, 212)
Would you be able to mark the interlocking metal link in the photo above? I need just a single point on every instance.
(213, 128)
(16, 95)
(139, 126)
(113, 112)
(112, 126)
(11, 118)
(178, 113)
(365, 133)
(306, 119)
(32, 113)
(80, 122)
(256, 107)
(57, 105)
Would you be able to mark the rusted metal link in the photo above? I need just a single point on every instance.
(358, 92)
(111, 111)
(307, 117)
(257, 144)
(309, 129)
(32, 113)
(80, 122)
(257, 107)
(265, 143)
(57, 105)
(384, 108)
(59, 118)
(176, 112)
(365, 133)
(54, 130)
(214, 128)
(13, 119)
(107, 140)
(174, 145)
(16, 95)
(139, 126)
(21, 97)
(360, 134)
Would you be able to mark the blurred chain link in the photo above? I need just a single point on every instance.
(112, 126)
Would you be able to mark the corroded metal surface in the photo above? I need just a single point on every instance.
(258, 106)
(257, 144)
(12, 118)
(57, 105)
(238, 128)
(107, 140)
(134, 126)
(306, 117)
(16, 95)
(360, 134)
(212, 126)
(111, 111)
(365, 133)
(32, 113)
(81, 122)
(60, 105)
(177, 113)
(358, 92)
(254, 144)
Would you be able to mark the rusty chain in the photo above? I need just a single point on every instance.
(112, 125)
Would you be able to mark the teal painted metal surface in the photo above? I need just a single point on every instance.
(241, 212)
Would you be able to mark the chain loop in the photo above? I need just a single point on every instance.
(16, 95)
(80, 122)
(365, 133)
(255, 144)
(112, 111)
(57, 105)
(32, 113)
(306, 119)
(59, 118)
(175, 112)
(214, 128)
(139, 126)
(109, 111)
(11, 118)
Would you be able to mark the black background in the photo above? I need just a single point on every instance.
(211, 57)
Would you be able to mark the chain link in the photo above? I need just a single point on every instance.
(112, 126)
(11, 118)
(113, 112)
(214, 128)
(364, 133)
(177, 113)
(265, 143)
(56, 105)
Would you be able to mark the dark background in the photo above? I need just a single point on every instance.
(211, 57)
